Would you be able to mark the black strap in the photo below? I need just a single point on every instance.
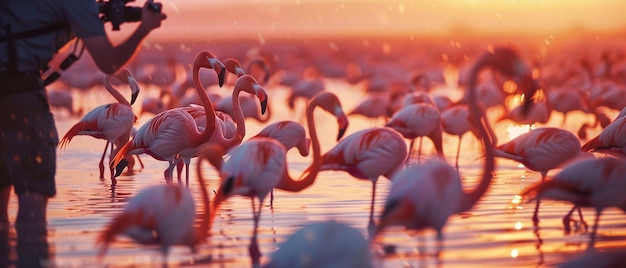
(11, 37)
(32, 33)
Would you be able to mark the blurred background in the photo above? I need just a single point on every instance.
(201, 20)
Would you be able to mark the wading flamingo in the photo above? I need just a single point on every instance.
(163, 214)
(111, 122)
(425, 195)
(259, 165)
(542, 149)
(366, 155)
(416, 121)
(291, 135)
(329, 244)
(612, 139)
(597, 182)
(172, 131)
(456, 121)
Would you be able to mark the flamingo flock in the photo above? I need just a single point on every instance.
(425, 190)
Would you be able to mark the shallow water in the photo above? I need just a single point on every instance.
(494, 233)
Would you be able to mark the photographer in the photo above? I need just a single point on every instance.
(31, 32)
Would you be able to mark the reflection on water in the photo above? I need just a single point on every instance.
(497, 232)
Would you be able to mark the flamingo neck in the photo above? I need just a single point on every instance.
(307, 178)
(485, 132)
(209, 112)
(239, 121)
(116, 94)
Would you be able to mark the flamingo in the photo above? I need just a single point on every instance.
(596, 182)
(329, 244)
(456, 120)
(375, 105)
(291, 135)
(366, 155)
(163, 214)
(63, 99)
(612, 139)
(109, 122)
(170, 132)
(245, 83)
(425, 195)
(259, 165)
(541, 149)
(419, 120)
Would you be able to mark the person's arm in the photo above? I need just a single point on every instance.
(111, 58)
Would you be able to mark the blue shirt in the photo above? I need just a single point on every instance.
(34, 53)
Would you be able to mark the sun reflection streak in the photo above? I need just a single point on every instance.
(518, 225)
(514, 253)
(515, 204)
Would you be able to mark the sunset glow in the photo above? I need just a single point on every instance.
(209, 20)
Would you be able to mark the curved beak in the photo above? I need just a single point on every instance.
(342, 119)
(262, 96)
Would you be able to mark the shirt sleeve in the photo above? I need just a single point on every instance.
(83, 18)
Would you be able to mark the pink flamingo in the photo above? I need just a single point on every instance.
(541, 149)
(539, 113)
(245, 83)
(597, 182)
(323, 244)
(109, 122)
(62, 99)
(425, 195)
(419, 120)
(259, 165)
(366, 155)
(375, 105)
(456, 121)
(163, 214)
(170, 132)
(612, 139)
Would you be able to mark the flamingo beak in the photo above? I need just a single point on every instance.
(262, 96)
(342, 119)
(133, 97)
(120, 167)
(221, 76)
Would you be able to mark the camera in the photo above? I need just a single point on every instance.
(117, 12)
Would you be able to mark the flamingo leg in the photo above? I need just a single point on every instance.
(371, 227)
(253, 249)
(272, 198)
(458, 152)
(419, 152)
(111, 168)
(140, 162)
(592, 240)
(536, 213)
(101, 166)
(567, 219)
(410, 151)
(187, 175)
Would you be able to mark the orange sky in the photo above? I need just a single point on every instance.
(211, 20)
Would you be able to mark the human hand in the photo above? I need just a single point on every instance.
(150, 18)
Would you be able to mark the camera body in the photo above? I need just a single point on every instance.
(117, 12)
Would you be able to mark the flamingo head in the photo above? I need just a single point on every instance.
(233, 66)
(208, 60)
(330, 103)
(507, 61)
(134, 89)
(248, 84)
